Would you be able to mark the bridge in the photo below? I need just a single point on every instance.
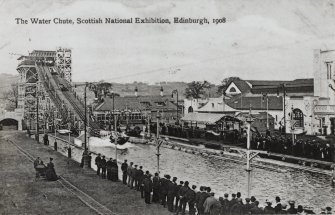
(46, 93)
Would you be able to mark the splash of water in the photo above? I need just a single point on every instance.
(105, 142)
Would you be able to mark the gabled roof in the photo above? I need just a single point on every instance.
(215, 105)
(242, 85)
(207, 118)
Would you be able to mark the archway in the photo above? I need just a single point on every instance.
(190, 109)
(9, 124)
(298, 116)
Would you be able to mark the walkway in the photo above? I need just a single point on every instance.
(78, 192)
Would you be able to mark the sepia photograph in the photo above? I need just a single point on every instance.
(174, 107)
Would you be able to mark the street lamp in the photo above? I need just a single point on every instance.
(55, 116)
(176, 92)
(85, 154)
(38, 94)
(158, 143)
(249, 120)
(114, 119)
(282, 86)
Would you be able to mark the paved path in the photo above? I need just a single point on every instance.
(78, 192)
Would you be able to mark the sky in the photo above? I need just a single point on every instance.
(261, 39)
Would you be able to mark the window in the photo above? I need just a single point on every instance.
(212, 105)
(329, 70)
(298, 116)
(232, 90)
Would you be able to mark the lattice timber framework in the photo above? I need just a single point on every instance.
(45, 82)
(64, 63)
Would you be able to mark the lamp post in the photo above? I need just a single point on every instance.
(176, 92)
(157, 140)
(249, 120)
(85, 154)
(37, 118)
(284, 103)
(114, 120)
(55, 129)
(292, 126)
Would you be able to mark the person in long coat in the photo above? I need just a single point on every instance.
(103, 167)
(115, 171)
(155, 192)
(147, 188)
(109, 164)
(50, 171)
(124, 168)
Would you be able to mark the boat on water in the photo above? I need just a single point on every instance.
(118, 138)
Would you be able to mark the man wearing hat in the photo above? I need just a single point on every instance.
(147, 188)
(155, 188)
(268, 209)
(256, 209)
(98, 163)
(103, 167)
(292, 209)
(247, 206)
(124, 167)
(278, 207)
(329, 210)
(129, 173)
(164, 187)
(190, 196)
(170, 194)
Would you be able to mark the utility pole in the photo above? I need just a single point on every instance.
(37, 117)
(157, 141)
(284, 103)
(85, 120)
(176, 91)
(249, 156)
(115, 131)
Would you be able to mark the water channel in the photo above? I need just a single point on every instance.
(306, 188)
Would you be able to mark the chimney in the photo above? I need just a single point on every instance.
(162, 91)
(136, 90)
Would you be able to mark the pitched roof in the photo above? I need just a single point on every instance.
(260, 115)
(242, 85)
(121, 103)
(255, 102)
(258, 83)
(209, 118)
(295, 86)
(215, 105)
(137, 103)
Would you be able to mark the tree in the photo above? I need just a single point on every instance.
(225, 83)
(103, 88)
(11, 96)
(196, 89)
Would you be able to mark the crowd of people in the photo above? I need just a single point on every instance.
(178, 196)
(300, 148)
(282, 144)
